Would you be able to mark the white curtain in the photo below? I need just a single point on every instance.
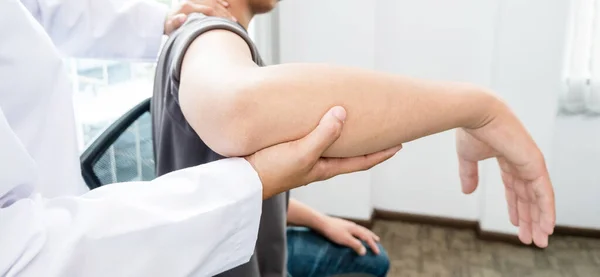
(582, 86)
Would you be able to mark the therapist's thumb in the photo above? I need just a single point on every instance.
(174, 22)
(326, 133)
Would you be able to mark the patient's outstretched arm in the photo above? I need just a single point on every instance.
(238, 108)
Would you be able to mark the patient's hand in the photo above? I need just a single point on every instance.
(349, 234)
(529, 192)
(179, 15)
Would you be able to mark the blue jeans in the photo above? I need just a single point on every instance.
(312, 255)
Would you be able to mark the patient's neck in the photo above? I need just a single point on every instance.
(241, 11)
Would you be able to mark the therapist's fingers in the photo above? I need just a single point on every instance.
(176, 18)
(326, 133)
(222, 10)
(329, 167)
(188, 7)
(323, 136)
(218, 8)
(174, 22)
(224, 3)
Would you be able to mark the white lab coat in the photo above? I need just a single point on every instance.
(195, 222)
(198, 221)
(112, 29)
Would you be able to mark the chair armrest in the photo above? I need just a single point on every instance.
(105, 140)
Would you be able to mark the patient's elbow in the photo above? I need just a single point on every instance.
(222, 119)
(230, 135)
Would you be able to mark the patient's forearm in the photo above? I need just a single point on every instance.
(285, 102)
(302, 215)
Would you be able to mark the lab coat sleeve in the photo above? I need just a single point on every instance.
(102, 29)
(194, 222)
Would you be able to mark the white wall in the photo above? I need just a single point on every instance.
(449, 40)
(575, 171)
(513, 46)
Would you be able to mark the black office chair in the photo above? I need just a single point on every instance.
(123, 152)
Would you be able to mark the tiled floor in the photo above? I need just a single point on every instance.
(423, 250)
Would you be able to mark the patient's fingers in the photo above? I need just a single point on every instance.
(469, 175)
(534, 204)
(523, 207)
(544, 196)
(525, 233)
(511, 199)
(511, 196)
(354, 243)
(540, 238)
(367, 236)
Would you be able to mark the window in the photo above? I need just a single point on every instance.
(104, 90)
(582, 85)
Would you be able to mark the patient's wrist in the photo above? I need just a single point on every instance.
(482, 107)
(318, 222)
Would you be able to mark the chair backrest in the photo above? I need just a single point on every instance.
(123, 152)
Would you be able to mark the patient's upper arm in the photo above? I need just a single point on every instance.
(214, 69)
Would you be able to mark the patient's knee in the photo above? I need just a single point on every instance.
(371, 264)
(380, 264)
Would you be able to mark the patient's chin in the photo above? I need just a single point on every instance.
(263, 10)
(263, 6)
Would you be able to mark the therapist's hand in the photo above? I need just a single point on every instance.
(293, 164)
(179, 15)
